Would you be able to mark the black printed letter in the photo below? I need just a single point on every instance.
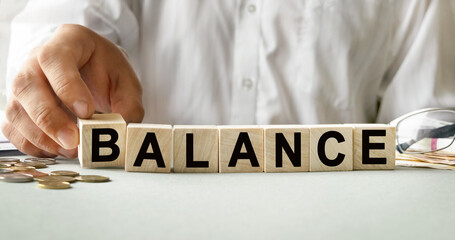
(282, 144)
(190, 163)
(150, 139)
(97, 144)
(366, 146)
(321, 148)
(249, 154)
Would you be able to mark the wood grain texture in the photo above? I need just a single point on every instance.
(135, 140)
(388, 141)
(229, 136)
(332, 148)
(205, 148)
(289, 133)
(99, 121)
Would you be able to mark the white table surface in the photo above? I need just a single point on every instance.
(405, 203)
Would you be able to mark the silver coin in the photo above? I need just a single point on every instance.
(16, 178)
(5, 165)
(6, 170)
(47, 161)
(38, 159)
(3, 160)
(33, 164)
(3, 174)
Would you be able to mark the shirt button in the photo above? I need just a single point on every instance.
(247, 83)
(251, 8)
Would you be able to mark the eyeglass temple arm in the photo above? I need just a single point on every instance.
(441, 132)
(404, 146)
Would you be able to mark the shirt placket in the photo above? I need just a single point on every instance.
(246, 57)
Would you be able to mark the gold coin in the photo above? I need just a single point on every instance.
(15, 178)
(64, 173)
(56, 179)
(54, 185)
(19, 168)
(32, 164)
(92, 178)
(5, 160)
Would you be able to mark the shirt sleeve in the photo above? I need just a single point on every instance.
(113, 19)
(422, 59)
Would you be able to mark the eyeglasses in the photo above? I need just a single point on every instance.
(425, 130)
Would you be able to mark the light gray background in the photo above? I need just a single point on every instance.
(8, 10)
(400, 204)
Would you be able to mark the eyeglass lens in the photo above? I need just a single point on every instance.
(426, 131)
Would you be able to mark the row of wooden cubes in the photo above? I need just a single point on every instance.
(106, 141)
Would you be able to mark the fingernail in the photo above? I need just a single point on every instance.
(48, 154)
(80, 108)
(71, 153)
(67, 138)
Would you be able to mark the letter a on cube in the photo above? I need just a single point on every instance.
(102, 141)
(241, 149)
(148, 148)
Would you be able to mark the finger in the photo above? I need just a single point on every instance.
(130, 109)
(126, 93)
(60, 59)
(126, 99)
(17, 117)
(22, 143)
(31, 89)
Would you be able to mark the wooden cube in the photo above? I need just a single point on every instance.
(331, 148)
(195, 148)
(241, 149)
(102, 141)
(287, 148)
(374, 146)
(149, 148)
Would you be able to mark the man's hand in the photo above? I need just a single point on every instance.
(76, 73)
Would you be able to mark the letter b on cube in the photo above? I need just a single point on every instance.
(102, 141)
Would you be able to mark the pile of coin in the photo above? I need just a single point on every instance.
(14, 171)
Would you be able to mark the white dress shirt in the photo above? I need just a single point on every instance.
(267, 61)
